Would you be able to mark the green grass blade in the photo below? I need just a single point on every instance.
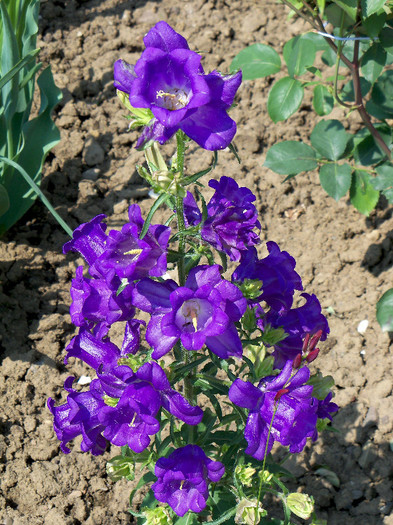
(15, 70)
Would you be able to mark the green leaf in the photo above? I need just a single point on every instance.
(284, 98)
(40, 135)
(366, 151)
(9, 58)
(121, 467)
(349, 6)
(190, 518)
(299, 53)
(161, 200)
(374, 24)
(363, 196)
(329, 138)
(335, 179)
(369, 7)
(6, 77)
(256, 61)
(4, 200)
(323, 101)
(348, 93)
(384, 180)
(386, 39)
(373, 61)
(290, 158)
(385, 311)
(321, 385)
(382, 93)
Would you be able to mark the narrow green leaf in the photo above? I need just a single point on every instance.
(160, 200)
(256, 61)
(329, 138)
(4, 200)
(373, 61)
(284, 98)
(9, 58)
(290, 158)
(335, 179)
(323, 101)
(363, 196)
(385, 311)
(369, 7)
(299, 53)
(22, 63)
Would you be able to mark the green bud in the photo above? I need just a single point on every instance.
(157, 516)
(251, 288)
(244, 474)
(133, 361)
(300, 504)
(249, 512)
(140, 116)
(111, 401)
(121, 467)
(265, 476)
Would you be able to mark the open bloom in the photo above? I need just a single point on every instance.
(169, 80)
(231, 218)
(183, 479)
(203, 311)
(282, 403)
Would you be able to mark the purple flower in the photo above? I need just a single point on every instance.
(79, 416)
(201, 312)
(297, 322)
(283, 403)
(131, 257)
(326, 407)
(277, 273)
(169, 80)
(231, 219)
(183, 479)
(96, 300)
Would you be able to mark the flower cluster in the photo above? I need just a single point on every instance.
(169, 81)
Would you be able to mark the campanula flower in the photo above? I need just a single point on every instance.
(183, 479)
(282, 403)
(203, 311)
(169, 80)
(231, 218)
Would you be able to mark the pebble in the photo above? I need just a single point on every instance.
(93, 153)
(91, 174)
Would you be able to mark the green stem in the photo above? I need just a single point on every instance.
(39, 193)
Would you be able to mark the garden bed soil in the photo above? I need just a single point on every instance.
(343, 257)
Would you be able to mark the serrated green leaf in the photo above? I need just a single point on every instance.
(385, 311)
(299, 53)
(363, 196)
(374, 24)
(323, 101)
(369, 7)
(373, 61)
(366, 151)
(290, 158)
(284, 98)
(382, 93)
(335, 179)
(349, 6)
(329, 138)
(384, 180)
(256, 61)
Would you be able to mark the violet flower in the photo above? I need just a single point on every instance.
(297, 322)
(282, 403)
(183, 479)
(231, 218)
(169, 80)
(203, 311)
(277, 273)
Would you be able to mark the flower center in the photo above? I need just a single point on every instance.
(190, 311)
(174, 98)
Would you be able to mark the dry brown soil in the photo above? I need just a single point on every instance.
(343, 257)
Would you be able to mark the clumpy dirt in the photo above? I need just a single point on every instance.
(342, 256)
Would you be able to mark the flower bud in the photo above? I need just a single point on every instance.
(297, 361)
(157, 516)
(251, 288)
(312, 355)
(249, 512)
(245, 474)
(140, 116)
(265, 476)
(302, 505)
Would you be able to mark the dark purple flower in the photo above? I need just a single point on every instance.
(277, 273)
(183, 479)
(283, 403)
(99, 354)
(96, 300)
(231, 218)
(131, 257)
(79, 416)
(201, 312)
(297, 322)
(169, 80)
(132, 337)
(326, 407)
